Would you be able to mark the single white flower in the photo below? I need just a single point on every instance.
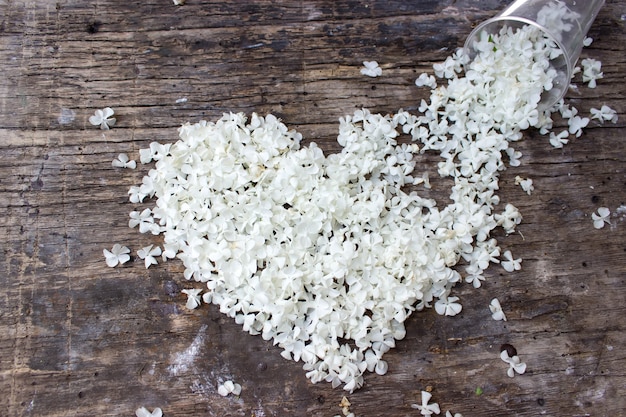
(605, 113)
(193, 298)
(515, 364)
(514, 157)
(576, 125)
(135, 194)
(448, 306)
(371, 69)
(601, 218)
(496, 310)
(229, 387)
(426, 80)
(425, 408)
(103, 118)
(475, 280)
(592, 71)
(117, 255)
(149, 254)
(143, 219)
(143, 412)
(567, 111)
(155, 152)
(559, 140)
(447, 68)
(508, 219)
(123, 161)
(587, 41)
(525, 183)
(509, 264)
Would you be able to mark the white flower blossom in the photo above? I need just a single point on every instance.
(576, 125)
(448, 306)
(143, 412)
(123, 161)
(144, 220)
(509, 264)
(514, 362)
(155, 152)
(496, 310)
(193, 298)
(425, 80)
(229, 387)
(371, 69)
(103, 118)
(425, 408)
(558, 140)
(149, 254)
(117, 255)
(475, 280)
(135, 194)
(525, 183)
(604, 114)
(509, 219)
(592, 71)
(601, 217)
(448, 68)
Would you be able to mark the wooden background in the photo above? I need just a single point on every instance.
(80, 339)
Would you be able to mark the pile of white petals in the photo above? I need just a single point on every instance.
(328, 255)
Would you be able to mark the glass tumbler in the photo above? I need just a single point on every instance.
(566, 22)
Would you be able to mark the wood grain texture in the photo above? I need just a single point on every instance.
(81, 339)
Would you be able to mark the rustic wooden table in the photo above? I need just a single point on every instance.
(81, 339)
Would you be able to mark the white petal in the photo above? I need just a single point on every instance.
(381, 367)
(440, 307)
(107, 112)
(110, 258)
(508, 266)
(143, 412)
(123, 258)
(499, 315)
(150, 260)
(229, 385)
(223, 391)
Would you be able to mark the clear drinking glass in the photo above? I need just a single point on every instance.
(564, 21)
